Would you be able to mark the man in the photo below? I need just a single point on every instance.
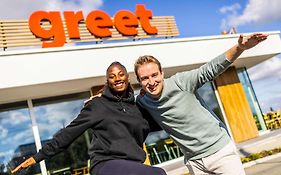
(174, 105)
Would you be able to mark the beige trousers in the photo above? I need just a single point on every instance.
(226, 161)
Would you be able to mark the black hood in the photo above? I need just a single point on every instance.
(127, 96)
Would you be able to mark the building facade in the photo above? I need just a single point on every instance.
(42, 90)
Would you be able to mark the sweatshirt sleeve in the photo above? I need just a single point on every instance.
(62, 139)
(192, 80)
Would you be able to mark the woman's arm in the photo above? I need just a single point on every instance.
(63, 138)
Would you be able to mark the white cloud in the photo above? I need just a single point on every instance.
(8, 153)
(23, 137)
(230, 9)
(53, 117)
(59, 112)
(15, 117)
(266, 80)
(256, 11)
(273, 101)
(156, 136)
(270, 68)
(3, 133)
(22, 9)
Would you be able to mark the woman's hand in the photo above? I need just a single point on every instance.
(27, 163)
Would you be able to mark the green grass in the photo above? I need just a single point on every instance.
(261, 154)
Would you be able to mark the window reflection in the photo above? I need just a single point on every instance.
(209, 97)
(251, 98)
(161, 148)
(53, 114)
(16, 138)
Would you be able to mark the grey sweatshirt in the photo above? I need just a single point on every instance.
(179, 112)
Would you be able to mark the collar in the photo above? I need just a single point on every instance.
(127, 96)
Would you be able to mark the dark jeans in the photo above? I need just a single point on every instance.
(125, 167)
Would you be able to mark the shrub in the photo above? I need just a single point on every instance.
(259, 155)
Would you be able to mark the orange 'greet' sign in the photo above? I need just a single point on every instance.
(97, 22)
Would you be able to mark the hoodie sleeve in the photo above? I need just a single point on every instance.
(62, 139)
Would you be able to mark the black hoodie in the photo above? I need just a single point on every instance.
(118, 128)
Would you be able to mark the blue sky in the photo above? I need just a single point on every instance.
(194, 18)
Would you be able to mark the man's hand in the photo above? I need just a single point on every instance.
(251, 41)
(244, 43)
(27, 163)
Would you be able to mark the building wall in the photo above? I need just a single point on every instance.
(28, 75)
(46, 72)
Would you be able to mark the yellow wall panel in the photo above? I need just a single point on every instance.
(236, 106)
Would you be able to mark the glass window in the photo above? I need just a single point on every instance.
(208, 95)
(161, 148)
(53, 114)
(16, 138)
(251, 98)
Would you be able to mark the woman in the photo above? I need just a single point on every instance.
(118, 126)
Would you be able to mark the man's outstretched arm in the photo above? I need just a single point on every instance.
(244, 43)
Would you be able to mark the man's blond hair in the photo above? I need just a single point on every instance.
(145, 59)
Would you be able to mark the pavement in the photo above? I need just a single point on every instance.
(266, 141)
(270, 165)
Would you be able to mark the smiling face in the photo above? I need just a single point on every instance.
(117, 78)
(151, 79)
